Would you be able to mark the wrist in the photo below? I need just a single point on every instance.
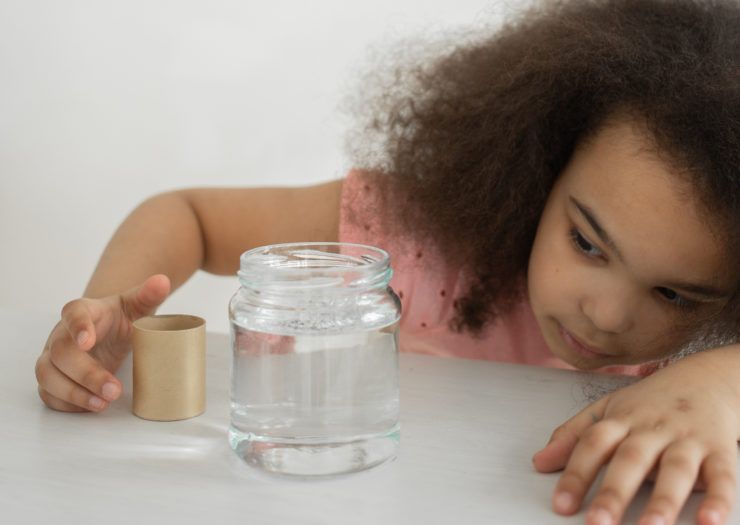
(720, 367)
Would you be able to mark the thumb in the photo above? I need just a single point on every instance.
(144, 299)
(556, 453)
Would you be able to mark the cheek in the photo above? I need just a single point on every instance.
(546, 275)
(655, 334)
(659, 333)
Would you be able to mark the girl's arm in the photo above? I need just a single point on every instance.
(680, 425)
(156, 249)
(180, 232)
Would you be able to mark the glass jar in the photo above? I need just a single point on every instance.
(314, 377)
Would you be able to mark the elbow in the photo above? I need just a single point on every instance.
(179, 227)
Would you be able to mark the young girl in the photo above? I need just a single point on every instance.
(563, 193)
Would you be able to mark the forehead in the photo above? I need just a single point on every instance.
(644, 205)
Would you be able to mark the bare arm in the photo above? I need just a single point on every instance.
(157, 248)
(180, 232)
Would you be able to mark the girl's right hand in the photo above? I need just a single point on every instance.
(75, 369)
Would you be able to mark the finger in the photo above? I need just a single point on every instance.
(57, 404)
(679, 467)
(718, 473)
(591, 452)
(61, 393)
(558, 450)
(81, 368)
(77, 320)
(146, 298)
(633, 460)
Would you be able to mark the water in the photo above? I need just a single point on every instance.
(314, 404)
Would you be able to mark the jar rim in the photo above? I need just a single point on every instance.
(289, 261)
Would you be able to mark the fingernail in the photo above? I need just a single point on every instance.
(711, 516)
(599, 517)
(82, 337)
(96, 403)
(652, 519)
(564, 502)
(110, 391)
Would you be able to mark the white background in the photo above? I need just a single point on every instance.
(104, 103)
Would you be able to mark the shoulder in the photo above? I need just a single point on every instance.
(361, 208)
(359, 183)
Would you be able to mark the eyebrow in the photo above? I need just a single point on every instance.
(590, 217)
(705, 291)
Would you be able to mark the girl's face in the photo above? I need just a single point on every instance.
(623, 262)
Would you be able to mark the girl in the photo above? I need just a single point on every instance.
(564, 193)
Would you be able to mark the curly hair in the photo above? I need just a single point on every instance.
(470, 143)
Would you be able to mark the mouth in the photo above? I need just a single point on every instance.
(579, 347)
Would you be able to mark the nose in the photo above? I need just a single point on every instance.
(610, 310)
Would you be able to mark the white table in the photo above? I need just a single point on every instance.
(468, 431)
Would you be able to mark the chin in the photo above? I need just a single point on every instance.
(567, 357)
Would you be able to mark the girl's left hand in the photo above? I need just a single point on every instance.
(681, 425)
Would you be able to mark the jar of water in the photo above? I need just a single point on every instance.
(314, 378)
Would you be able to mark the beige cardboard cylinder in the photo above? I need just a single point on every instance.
(169, 367)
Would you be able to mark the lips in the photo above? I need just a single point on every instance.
(578, 347)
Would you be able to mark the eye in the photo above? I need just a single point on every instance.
(675, 298)
(583, 245)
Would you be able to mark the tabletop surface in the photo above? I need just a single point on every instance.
(468, 432)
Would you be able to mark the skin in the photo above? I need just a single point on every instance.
(687, 432)
(618, 262)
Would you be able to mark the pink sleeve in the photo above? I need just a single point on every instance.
(425, 285)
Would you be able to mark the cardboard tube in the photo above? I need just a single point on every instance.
(169, 367)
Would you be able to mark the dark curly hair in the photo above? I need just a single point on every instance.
(471, 142)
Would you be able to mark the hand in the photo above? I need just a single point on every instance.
(75, 369)
(681, 424)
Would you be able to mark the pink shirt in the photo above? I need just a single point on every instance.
(428, 289)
